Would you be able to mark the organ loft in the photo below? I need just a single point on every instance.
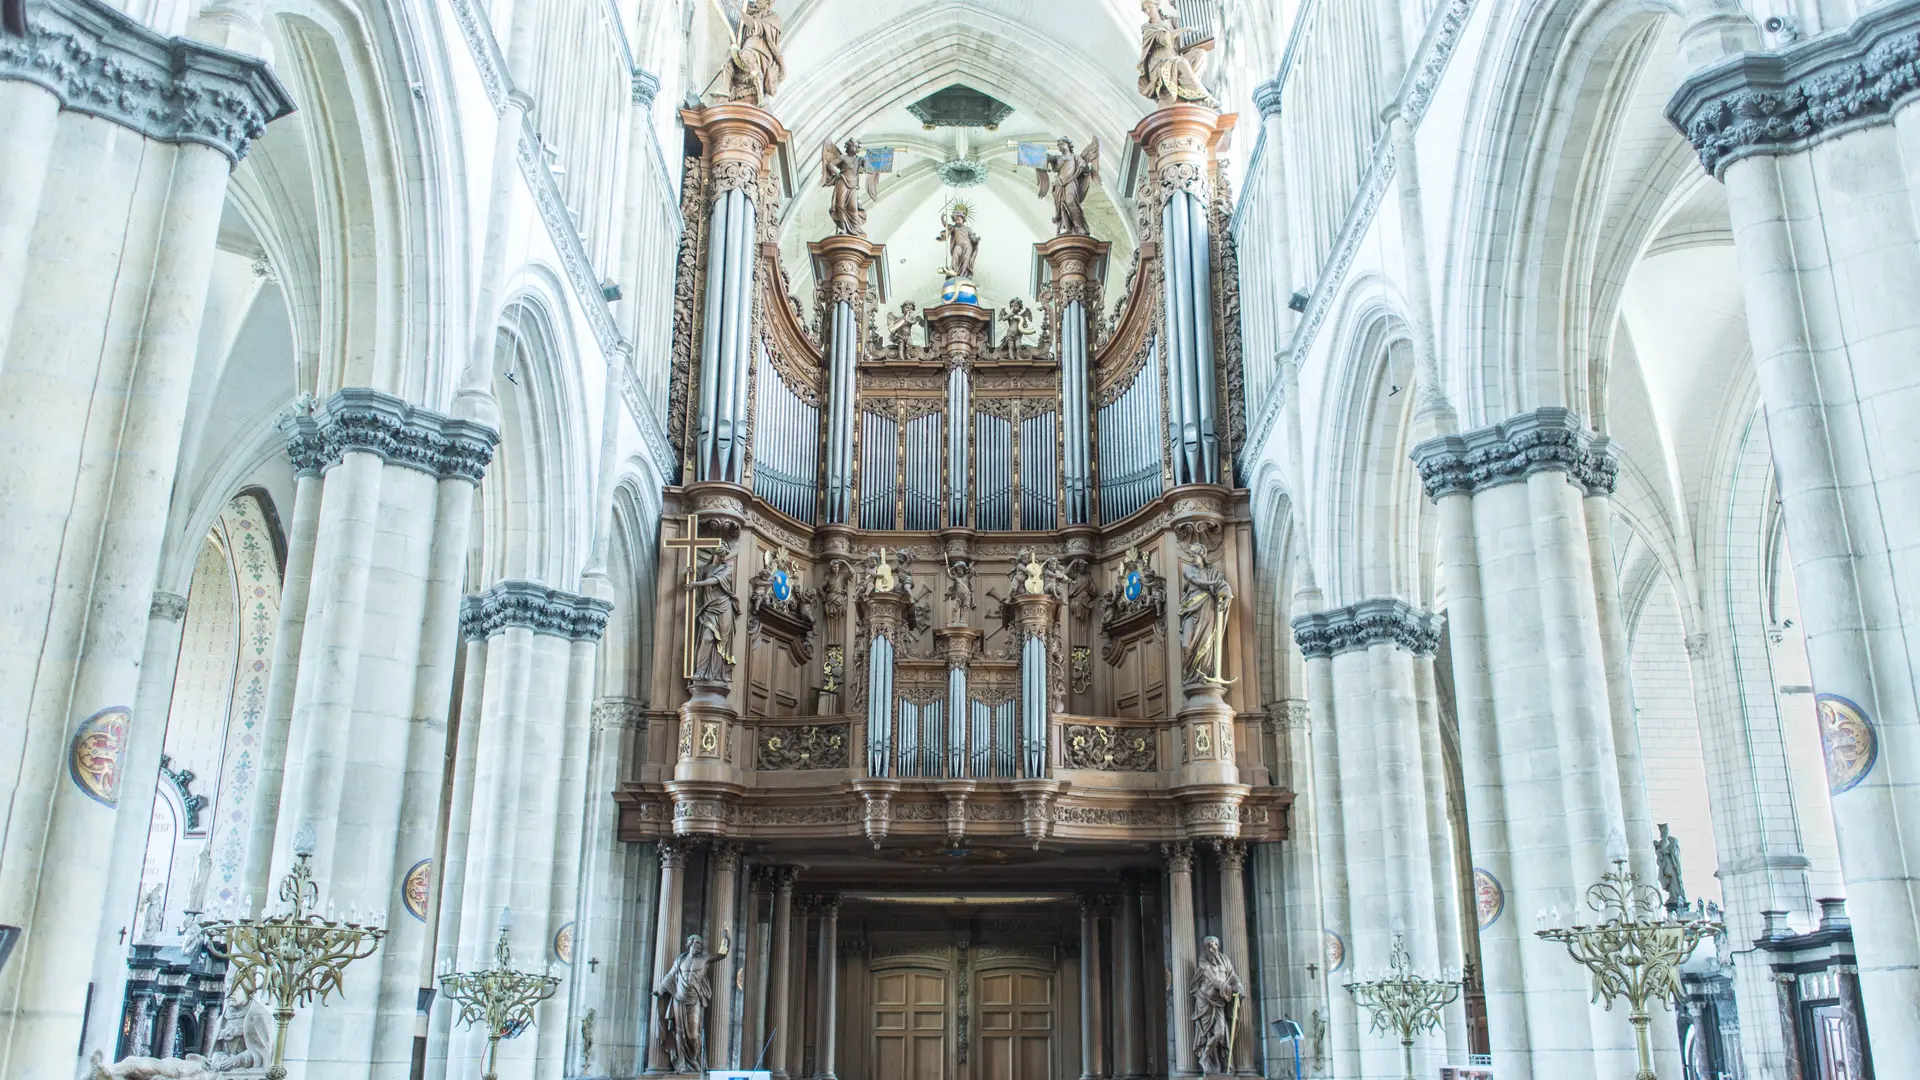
(955, 770)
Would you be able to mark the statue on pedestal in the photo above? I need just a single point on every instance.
(1068, 177)
(1205, 599)
(1170, 71)
(716, 607)
(1217, 992)
(754, 66)
(841, 169)
(1667, 851)
(963, 244)
(681, 1002)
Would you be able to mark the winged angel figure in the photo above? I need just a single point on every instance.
(841, 169)
(1068, 177)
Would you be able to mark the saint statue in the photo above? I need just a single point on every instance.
(716, 606)
(754, 66)
(681, 1002)
(1170, 71)
(1068, 177)
(1667, 851)
(840, 169)
(960, 587)
(153, 914)
(1205, 598)
(244, 1039)
(1217, 992)
(963, 244)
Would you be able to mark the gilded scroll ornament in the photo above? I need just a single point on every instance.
(815, 746)
(1107, 748)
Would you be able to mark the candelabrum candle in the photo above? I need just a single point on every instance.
(1404, 1003)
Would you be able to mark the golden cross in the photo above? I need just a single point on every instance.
(689, 540)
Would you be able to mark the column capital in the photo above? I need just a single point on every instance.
(1380, 620)
(843, 262)
(1233, 854)
(726, 856)
(101, 62)
(1781, 102)
(370, 421)
(784, 877)
(646, 87)
(1071, 260)
(673, 855)
(1550, 438)
(536, 607)
(170, 607)
(737, 138)
(1179, 856)
(620, 713)
(1266, 98)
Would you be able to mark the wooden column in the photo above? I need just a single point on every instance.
(1130, 1020)
(721, 870)
(1233, 918)
(1093, 996)
(780, 981)
(666, 938)
(753, 998)
(1180, 932)
(829, 986)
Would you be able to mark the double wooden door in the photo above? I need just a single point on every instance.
(913, 1022)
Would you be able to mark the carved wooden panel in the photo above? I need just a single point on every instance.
(1016, 1025)
(910, 1025)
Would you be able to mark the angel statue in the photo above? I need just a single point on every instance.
(1068, 177)
(754, 66)
(1018, 320)
(840, 169)
(1205, 599)
(963, 244)
(1170, 71)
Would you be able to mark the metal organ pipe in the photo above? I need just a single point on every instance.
(1200, 267)
(958, 409)
(731, 331)
(710, 335)
(744, 215)
(1033, 705)
(840, 415)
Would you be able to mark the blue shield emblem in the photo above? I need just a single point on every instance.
(782, 585)
(1135, 586)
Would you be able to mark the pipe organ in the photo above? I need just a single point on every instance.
(981, 581)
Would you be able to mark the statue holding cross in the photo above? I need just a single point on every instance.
(712, 606)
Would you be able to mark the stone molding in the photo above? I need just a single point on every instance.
(535, 607)
(1780, 102)
(1266, 98)
(1381, 620)
(406, 435)
(101, 62)
(1548, 438)
(169, 606)
(646, 87)
(617, 713)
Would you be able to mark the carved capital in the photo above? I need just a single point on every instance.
(1782, 102)
(535, 607)
(1550, 438)
(100, 62)
(619, 714)
(1179, 857)
(358, 419)
(673, 856)
(1232, 853)
(169, 606)
(1266, 98)
(1377, 621)
(726, 856)
(646, 87)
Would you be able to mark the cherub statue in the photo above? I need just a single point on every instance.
(960, 586)
(900, 328)
(754, 66)
(1170, 71)
(1068, 177)
(963, 244)
(841, 169)
(1017, 318)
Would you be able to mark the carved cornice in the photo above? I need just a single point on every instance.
(534, 607)
(1548, 438)
(100, 62)
(359, 419)
(1380, 620)
(1780, 102)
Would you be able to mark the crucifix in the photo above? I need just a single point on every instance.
(689, 539)
(593, 965)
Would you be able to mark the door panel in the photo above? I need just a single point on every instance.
(1016, 1025)
(909, 1025)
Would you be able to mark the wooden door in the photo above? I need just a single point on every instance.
(1016, 1025)
(909, 1025)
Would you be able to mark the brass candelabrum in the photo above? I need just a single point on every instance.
(294, 956)
(1404, 1003)
(1634, 952)
(499, 997)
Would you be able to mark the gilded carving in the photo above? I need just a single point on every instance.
(813, 746)
(1109, 748)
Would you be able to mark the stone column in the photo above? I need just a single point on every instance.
(824, 1042)
(1825, 210)
(1335, 911)
(723, 865)
(1181, 931)
(780, 977)
(1130, 1026)
(1233, 921)
(848, 261)
(116, 211)
(1093, 995)
(739, 140)
(1543, 787)
(147, 737)
(1070, 259)
(616, 885)
(666, 940)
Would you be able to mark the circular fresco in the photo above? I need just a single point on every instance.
(563, 944)
(416, 887)
(1336, 951)
(1489, 899)
(1849, 740)
(93, 758)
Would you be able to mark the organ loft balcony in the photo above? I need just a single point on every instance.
(963, 576)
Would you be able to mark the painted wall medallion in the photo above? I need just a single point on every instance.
(93, 758)
(563, 944)
(415, 888)
(782, 585)
(1336, 950)
(1852, 745)
(1489, 898)
(1135, 585)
